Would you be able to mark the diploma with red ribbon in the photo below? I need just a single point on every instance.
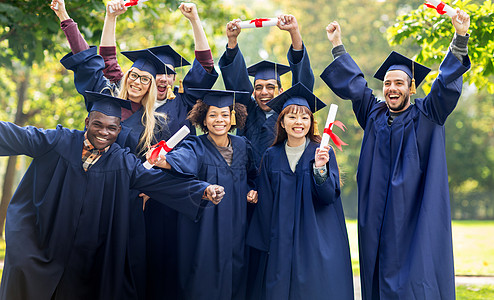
(163, 147)
(260, 22)
(328, 129)
(441, 7)
(130, 3)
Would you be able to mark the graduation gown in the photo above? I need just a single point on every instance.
(212, 258)
(88, 68)
(299, 226)
(258, 129)
(404, 219)
(161, 221)
(67, 230)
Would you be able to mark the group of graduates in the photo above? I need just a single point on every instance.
(256, 215)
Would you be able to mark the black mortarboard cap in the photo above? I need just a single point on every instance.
(145, 60)
(169, 56)
(220, 98)
(106, 104)
(298, 94)
(397, 61)
(267, 70)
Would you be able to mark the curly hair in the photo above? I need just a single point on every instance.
(198, 113)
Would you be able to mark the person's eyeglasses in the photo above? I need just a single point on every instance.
(144, 79)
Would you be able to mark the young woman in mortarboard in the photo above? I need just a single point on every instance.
(298, 225)
(138, 83)
(212, 257)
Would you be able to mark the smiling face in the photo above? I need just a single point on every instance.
(396, 90)
(296, 124)
(264, 91)
(102, 130)
(164, 80)
(218, 120)
(135, 86)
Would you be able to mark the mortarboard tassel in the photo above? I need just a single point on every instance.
(276, 90)
(316, 128)
(181, 87)
(233, 119)
(169, 93)
(413, 88)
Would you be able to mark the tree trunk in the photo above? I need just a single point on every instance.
(20, 119)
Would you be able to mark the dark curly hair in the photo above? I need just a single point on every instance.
(198, 113)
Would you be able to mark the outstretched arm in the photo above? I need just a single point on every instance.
(74, 37)
(189, 10)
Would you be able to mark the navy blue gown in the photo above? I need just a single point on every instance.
(212, 256)
(404, 216)
(67, 230)
(258, 129)
(299, 226)
(88, 68)
(161, 221)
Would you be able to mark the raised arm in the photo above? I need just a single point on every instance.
(69, 27)
(446, 89)
(30, 141)
(345, 78)
(232, 63)
(189, 10)
(108, 44)
(297, 55)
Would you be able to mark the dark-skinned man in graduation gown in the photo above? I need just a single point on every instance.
(260, 126)
(404, 218)
(67, 223)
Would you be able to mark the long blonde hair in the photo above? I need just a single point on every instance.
(148, 117)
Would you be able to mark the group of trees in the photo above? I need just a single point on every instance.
(37, 90)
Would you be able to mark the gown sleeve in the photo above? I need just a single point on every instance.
(179, 192)
(88, 68)
(346, 80)
(234, 72)
(197, 77)
(259, 232)
(446, 89)
(186, 158)
(30, 141)
(328, 191)
(300, 67)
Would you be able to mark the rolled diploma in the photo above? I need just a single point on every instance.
(171, 143)
(250, 24)
(331, 117)
(448, 9)
(111, 9)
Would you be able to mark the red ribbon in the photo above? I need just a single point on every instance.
(131, 3)
(336, 140)
(258, 22)
(439, 7)
(157, 150)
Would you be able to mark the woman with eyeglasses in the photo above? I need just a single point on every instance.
(139, 125)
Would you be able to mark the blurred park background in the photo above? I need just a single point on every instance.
(37, 90)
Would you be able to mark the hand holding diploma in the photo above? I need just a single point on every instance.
(159, 150)
(328, 129)
(322, 156)
(58, 6)
(126, 3)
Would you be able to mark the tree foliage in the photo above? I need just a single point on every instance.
(428, 29)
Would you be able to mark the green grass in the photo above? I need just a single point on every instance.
(474, 292)
(472, 245)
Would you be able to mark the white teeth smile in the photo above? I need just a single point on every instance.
(135, 88)
(102, 139)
